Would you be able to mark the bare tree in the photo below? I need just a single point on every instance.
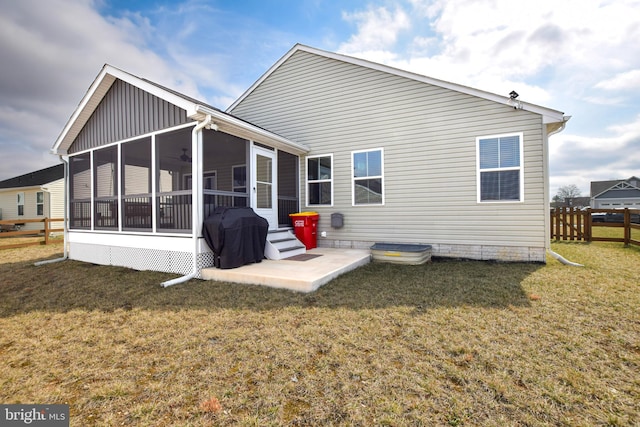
(567, 192)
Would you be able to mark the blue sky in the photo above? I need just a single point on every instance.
(580, 57)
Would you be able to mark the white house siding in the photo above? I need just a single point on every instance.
(56, 202)
(618, 199)
(53, 197)
(428, 134)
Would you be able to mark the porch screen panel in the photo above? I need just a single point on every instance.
(136, 185)
(80, 191)
(224, 160)
(173, 181)
(105, 175)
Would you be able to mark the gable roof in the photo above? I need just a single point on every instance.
(36, 178)
(600, 187)
(549, 116)
(196, 110)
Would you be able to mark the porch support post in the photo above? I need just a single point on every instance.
(196, 198)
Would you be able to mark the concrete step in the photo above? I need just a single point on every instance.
(282, 244)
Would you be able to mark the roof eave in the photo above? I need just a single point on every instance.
(240, 128)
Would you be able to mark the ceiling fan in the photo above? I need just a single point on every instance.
(184, 156)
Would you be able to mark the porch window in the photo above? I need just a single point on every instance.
(105, 176)
(500, 172)
(320, 180)
(173, 181)
(136, 185)
(20, 204)
(224, 178)
(368, 177)
(80, 191)
(40, 203)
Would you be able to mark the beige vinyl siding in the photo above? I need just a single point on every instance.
(8, 204)
(53, 197)
(56, 201)
(428, 134)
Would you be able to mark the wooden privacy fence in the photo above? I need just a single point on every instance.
(11, 230)
(576, 224)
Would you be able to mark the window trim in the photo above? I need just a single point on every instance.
(381, 177)
(318, 181)
(39, 204)
(20, 203)
(519, 168)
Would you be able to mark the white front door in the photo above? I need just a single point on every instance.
(264, 198)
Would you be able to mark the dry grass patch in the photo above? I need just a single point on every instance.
(447, 343)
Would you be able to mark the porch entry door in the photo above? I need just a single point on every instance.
(264, 198)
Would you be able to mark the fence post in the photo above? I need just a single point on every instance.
(627, 227)
(46, 231)
(587, 226)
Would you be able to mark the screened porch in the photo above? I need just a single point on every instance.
(145, 185)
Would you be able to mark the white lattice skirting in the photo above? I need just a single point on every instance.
(140, 258)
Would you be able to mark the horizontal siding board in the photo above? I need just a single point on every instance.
(428, 134)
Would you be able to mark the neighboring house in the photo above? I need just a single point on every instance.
(404, 158)
(35, 195)
(616, 194)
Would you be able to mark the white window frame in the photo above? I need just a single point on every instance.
(20, 202)
(235, 187)
(39, 204)
(354, 179)
(318, 181)
(519, 168)
(211, 174)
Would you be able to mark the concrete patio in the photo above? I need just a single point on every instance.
(303, 273)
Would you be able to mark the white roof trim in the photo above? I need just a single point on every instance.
(195, 111)
(235, 126)
(549, 115)
(625, 186)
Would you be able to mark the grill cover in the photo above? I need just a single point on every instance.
(237, 236)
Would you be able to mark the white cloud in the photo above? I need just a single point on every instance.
(579, 159)
(378, 29)
(48, 62)
(496, 44)
(626, 81)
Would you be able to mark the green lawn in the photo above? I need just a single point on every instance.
(456, 343)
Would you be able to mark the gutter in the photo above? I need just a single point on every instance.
(195, 192)
(65, 232)
(559, 257)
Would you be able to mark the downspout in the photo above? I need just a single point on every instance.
(65, 254)
(551, 252)
(195, 190)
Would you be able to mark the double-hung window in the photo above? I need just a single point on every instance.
(40, 203)
(21, 204)
(320, 180)
(368, 177)
(500, 171)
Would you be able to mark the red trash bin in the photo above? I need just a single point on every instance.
(305, 225)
